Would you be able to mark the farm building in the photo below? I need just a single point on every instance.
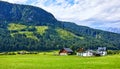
(102, 51)
(80, 52)
(88, 53)
(65, 51)
(85, 53)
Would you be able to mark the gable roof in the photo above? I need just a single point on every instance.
(101, 48)
(68, 49)
(81, 50)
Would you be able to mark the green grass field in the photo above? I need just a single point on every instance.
(41, 61)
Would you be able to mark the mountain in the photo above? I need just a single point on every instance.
(110, 29)
(25, 27)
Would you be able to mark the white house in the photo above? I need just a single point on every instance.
(82, 52)
(87, 53)
(102, 51)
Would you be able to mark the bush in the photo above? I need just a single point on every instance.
(110, 52)
(26, 52)
(11, 53)
(8, 53)
(21, 52)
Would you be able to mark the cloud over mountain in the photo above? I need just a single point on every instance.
(83, 12)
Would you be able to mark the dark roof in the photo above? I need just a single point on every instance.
(81, 50)
(68, 49)
(101, 48)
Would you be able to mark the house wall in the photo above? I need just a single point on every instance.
(103, 53)
(63, 54)
(85, 54)
(79, 54)
(88, 54)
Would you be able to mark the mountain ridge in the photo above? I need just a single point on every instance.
(25, 27)
(110, 29)
(24, 13)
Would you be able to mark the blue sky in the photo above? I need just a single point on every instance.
(92, 13)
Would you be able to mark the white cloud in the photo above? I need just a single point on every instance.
(107, 25)
(16, 1)
(83, 12)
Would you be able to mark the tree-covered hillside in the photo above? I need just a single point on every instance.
(24, 27)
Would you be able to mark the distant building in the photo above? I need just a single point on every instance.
(88, 53)
(80, 52)
(102, 51)
(22, 52)
(65, 51)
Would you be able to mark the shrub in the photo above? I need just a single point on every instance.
(11, 53)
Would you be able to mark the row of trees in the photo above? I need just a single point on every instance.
(49, 41)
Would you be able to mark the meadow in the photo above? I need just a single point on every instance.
(49, 61)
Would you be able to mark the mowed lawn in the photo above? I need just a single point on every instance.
(58, 62)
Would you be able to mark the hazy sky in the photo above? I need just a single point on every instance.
(93, 13)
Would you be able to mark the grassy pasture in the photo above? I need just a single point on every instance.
(23, 29)
(66, 34)
(49, 61)
(14, 26)
(41, 29)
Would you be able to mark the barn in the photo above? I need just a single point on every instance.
(65, 51)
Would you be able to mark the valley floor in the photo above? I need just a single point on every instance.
(40, 61)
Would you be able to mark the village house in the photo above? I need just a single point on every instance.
(65, 51)
(22, 52)
(82, 52)
(101, 51)
(88, 53)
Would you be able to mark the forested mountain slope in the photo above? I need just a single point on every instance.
(24, 27)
